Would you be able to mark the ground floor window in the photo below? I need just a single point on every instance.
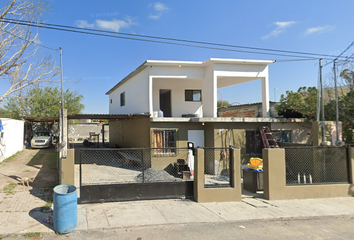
(165, 141)
(282, 135)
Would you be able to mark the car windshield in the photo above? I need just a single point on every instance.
(42, 134)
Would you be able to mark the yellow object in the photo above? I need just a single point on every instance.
(255, 163)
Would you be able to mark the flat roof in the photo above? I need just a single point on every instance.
(190, 64)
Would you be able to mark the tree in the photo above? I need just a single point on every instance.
(303, 101)
(20, 63)
(43, 102)
(221, 103)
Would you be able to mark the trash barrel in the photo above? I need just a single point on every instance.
(65, 208)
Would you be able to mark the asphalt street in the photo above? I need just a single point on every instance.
(314, 228)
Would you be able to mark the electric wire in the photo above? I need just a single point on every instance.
(134, 37)
(38, 44)
(340, 55)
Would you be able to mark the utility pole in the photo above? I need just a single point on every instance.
(62, 95)
(336, 100)
(322, 103)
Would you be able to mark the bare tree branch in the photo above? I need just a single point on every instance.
(19, 67)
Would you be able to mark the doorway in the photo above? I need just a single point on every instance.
(165, 102)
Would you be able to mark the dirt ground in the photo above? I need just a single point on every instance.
(39, 164)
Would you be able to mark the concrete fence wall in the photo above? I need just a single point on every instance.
(223, 194)
(274, 180)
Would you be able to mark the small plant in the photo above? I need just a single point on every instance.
(48, 205)
(26, 170)
(34, 235)
(9, 189)
(11, 157)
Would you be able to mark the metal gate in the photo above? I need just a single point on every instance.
(116, 174)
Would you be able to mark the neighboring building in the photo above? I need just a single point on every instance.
(11, 137)
(186, 93)
(78, 132)
(247, 110)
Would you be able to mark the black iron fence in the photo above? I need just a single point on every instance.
(144, 165)
(316, 165)
(217, 162)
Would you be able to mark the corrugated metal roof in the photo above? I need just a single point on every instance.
(87, 116)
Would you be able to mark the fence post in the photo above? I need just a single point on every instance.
(351, 164)
(274, 175)
(198, 172)
(142, 161)
(80, 155)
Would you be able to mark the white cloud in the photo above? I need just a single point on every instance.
(83, 24)
(158, 9)
(155, 17)
(113, 25)
(280, 28)
(319, 29)
(160, 6)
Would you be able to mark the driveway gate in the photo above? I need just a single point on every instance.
(134, 174)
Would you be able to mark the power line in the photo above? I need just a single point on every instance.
(340, 55)
(297, 60)
(134, 37)
(38, 44)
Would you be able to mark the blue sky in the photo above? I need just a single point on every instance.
(95, 64)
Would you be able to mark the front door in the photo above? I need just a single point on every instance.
(165, 102)
(197, 137)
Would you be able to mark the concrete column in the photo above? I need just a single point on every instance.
(151, 99)
(209, 93)
(274, 175)
(198, 172)
(265, 97)
(63, 142)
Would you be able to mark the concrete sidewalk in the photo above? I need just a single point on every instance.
(20, 212)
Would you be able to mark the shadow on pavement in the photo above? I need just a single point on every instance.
(42, 217)
(46, 160)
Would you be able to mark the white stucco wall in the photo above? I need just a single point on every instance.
(209, 93)
(136, 95)
(142, 90)
(13, 138)
(177, 86)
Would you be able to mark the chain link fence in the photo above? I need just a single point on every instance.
(316, 165)
(217, 167)
(116, 166)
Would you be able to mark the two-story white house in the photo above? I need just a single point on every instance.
(186, 93)
(179, 88)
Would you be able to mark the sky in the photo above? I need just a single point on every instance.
(92, 65)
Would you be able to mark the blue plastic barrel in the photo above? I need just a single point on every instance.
(65, 208)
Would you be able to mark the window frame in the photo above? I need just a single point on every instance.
(278, 135)
(193, 91)
(164, 150)
(122, 99)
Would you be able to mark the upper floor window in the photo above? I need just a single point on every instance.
(193, 95)
(122, 99)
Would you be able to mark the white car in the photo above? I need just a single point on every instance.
(42, 139)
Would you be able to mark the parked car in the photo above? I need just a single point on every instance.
(42, 139)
